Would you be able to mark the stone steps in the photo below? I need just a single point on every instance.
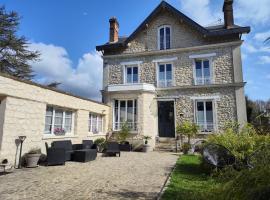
(168, 146)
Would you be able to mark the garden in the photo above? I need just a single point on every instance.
(245, 177)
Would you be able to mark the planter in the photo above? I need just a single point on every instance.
(32, 160)
(146, 148)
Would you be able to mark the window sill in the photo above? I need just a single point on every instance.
(48, 137)
(95, 135)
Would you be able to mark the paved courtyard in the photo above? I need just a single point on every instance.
(132, 176)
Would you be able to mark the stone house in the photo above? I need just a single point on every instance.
(35, 111)
(171, 69)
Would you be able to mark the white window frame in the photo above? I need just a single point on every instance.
(158, 36)
(125, 74)
(90, 123)
(214, 108)
(203, 78)
(63, 121)
(157, 73)
(134, 121)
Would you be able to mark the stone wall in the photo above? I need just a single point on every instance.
(182, 35)
(24, 114)
(225, 104)
(222, 67)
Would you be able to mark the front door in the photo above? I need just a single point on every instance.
(166, 127)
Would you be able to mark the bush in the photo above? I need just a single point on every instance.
(186, 147)
(123, 133)
(241, 142)
(101, 143)
(187, 129)
(248, 184)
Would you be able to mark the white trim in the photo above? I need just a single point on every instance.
(202, 68)
(202, 55)
(51, 133)
(134, 120)
(131, 63)
(205, 97)
(165, 72)
(164, 40)
(162, 60)
(131, 87)
(175, 50)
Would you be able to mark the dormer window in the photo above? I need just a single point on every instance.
(164, 37)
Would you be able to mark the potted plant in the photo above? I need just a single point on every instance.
(187, 129)
(186, 147)
(146, 146)
(32, 157)
(122, 136)
(100, 142)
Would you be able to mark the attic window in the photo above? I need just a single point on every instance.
(164, 37)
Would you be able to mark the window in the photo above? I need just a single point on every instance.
(58, 121)
(164, 75)
(95, 123)
(164, 37)
(125, 111)
(205, 115)
(202, 72)
(131, 74)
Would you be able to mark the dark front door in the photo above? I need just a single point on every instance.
(166, 119)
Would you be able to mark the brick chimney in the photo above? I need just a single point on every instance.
(114, 27)
(228, 13)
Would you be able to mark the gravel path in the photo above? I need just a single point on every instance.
(132, 176)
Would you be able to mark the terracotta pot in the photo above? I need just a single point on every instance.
(32, 160)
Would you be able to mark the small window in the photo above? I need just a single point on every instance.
(205, 115)
(131, 74)
(165, 75)
(95, 123)
(202, 72)
(164, 37)
(58, 121)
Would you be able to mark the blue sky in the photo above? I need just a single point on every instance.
(67, 31)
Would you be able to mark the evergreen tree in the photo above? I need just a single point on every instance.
(14, 55)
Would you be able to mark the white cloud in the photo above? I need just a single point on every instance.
(264, 59)
(200, 11)
(253, 11)
(261, 37)
(85, 79)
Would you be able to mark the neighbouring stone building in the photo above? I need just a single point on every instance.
(171, 69)
(35, 111)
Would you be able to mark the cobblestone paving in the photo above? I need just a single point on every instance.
(132, 176)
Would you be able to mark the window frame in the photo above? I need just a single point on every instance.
(90, 123)
(214, 110)
(211, 77)
(64, 110)
(164, 40)
(125, 73)
(165, 72)
(134, 110)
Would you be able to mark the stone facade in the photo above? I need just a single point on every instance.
(22, 112)
(221, 67)
(225, 104)
(186, 42)
(182, 35)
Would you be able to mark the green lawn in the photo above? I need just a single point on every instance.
(189, 181)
